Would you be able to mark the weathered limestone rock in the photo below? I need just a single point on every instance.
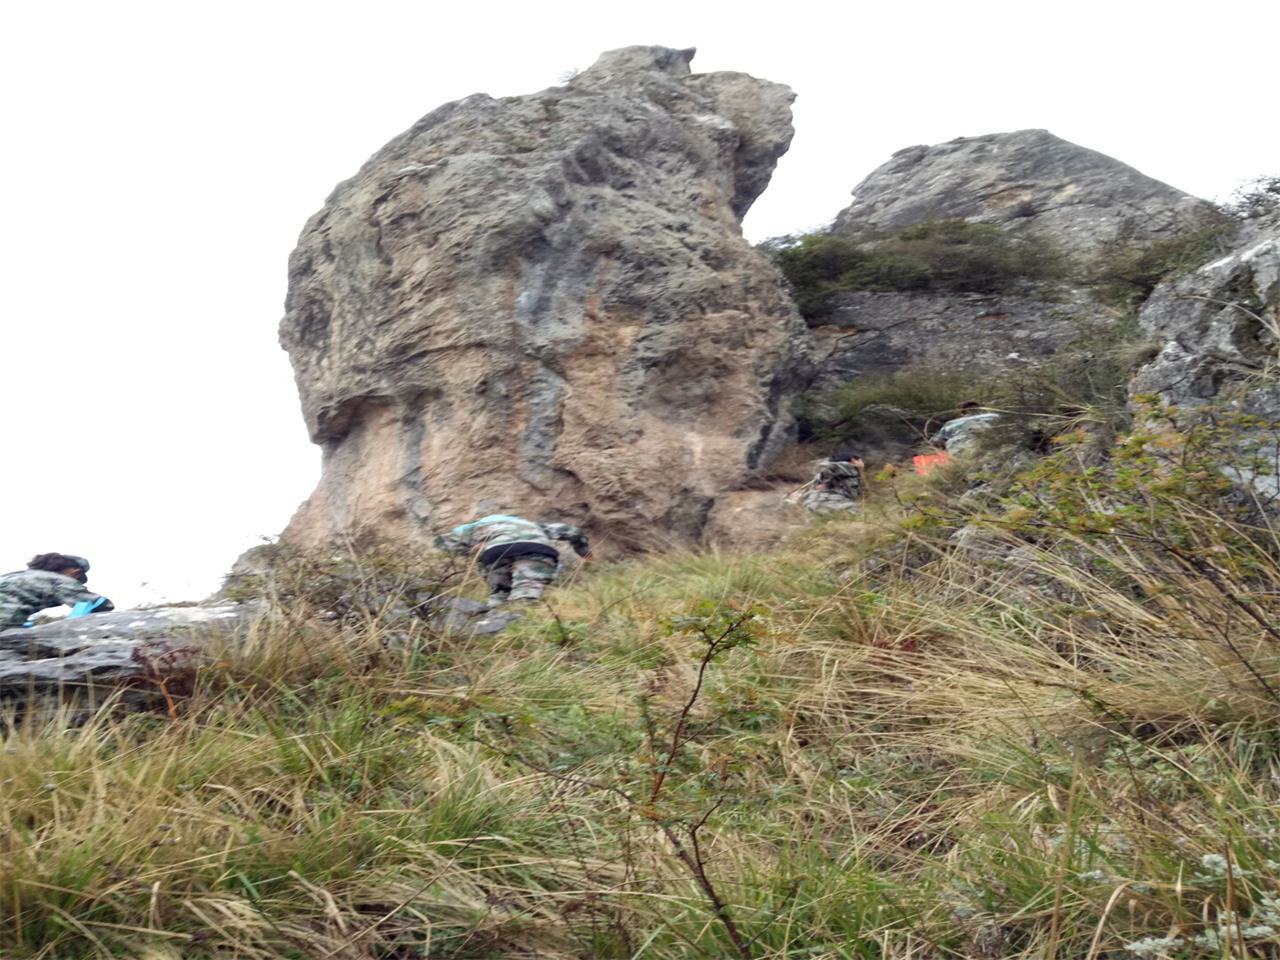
(544, 304)
(109, 649)
(870, 333)
(1216, 326)
(1029, 181)
(1219, 334)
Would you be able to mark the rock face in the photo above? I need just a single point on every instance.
(1217, 326)
(877, 333)
(544, 304)
(109, 649)
(1029, 181)
(1219, 332)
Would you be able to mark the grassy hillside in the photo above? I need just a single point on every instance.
(1039, 724)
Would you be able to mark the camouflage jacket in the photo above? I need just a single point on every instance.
(500, 530)
(839, 476)
(960, 433)
(27, 591)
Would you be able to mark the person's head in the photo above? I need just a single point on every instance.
(970, 406)
(845, 456)
(67, 564)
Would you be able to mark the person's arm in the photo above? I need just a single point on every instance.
(451, 544)
(571, 535)
(68, 591)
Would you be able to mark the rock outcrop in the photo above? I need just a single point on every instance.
(107, 650)
(1217, 327)
(870, 333)
(1030, 182)
(545, 304)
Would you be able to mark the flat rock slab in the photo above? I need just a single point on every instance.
(458, 615)
(111, 647)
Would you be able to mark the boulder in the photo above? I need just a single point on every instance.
(1029, 181)
(110, 649)
(544, 304)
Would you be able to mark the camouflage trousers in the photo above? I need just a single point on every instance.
(520, 578)
(828, 501)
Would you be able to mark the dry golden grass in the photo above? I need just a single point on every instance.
(939, 752)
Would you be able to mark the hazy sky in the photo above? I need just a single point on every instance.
(160, 159)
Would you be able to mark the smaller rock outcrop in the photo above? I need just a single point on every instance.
(111, 649)
(1217, 326)
(869, 333)
(1030, 182)
(1218, 330)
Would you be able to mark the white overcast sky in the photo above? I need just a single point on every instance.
(159, 160)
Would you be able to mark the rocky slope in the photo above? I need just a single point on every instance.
(545, 304)
(98, 653)
(1078, 203)
(1028, 181)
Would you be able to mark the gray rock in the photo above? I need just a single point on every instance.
(1217, 326)
(545, 304)
(111, 648)
(870, 334)
(1030, 182)
(459, 615)
(1219, 334)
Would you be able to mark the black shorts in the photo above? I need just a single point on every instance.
(513, 551)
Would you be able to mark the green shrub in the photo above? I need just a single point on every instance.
(971, 257)
(1126, 276)
(1085, 385)
(940, 255)
(904, 405)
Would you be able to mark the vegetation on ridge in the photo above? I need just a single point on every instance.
(953, 256)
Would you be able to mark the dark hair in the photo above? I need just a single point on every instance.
(842, 456)
(970, 405)
(56, 562)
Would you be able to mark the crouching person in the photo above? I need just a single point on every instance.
(518, 555)
(837, 485)
(50, 580)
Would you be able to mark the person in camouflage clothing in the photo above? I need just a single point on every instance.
(963, 435)
(517, 554)
(837, 485)
(50, 580)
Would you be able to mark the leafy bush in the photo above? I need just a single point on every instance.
(972, 257)
(1127, 275)
(905, 405)
(1085, 386)
(939, 255)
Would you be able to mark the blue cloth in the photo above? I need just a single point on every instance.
(86, 607)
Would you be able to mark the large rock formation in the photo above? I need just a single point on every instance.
(1029, 181)
(545, 304)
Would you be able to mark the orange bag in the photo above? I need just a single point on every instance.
(926, 462)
